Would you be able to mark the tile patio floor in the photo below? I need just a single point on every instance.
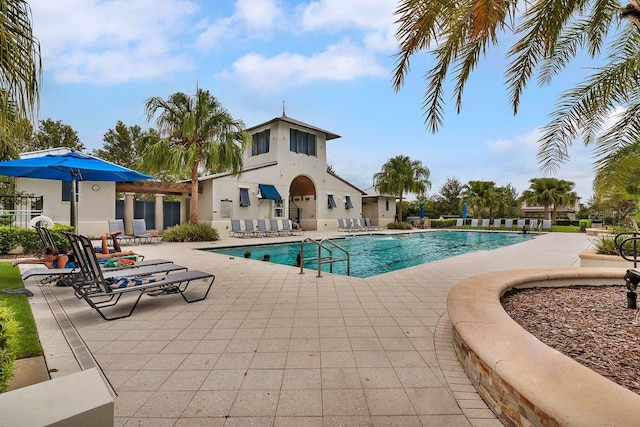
(271, 347)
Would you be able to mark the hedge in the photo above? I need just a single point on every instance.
(11, 238)
(9, 330)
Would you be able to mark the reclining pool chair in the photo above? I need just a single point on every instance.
(533, 224)
(521, 223)
(236, 231)
(459, 222)
(101, 292)
(262, 228)
(118, 225)
(497, 223)
(275, 227)
(546, 225)
(474, 222)
(485, 223)
(286, 227)
(508, 223)
(141, 234)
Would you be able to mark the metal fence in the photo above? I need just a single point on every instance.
(17, 211)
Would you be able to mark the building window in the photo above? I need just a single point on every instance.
(386, 204)
(332, 202)
(67, 187)
(260, 142)
(347, 202)
(244, 197)
(302, 142)
(278, 208)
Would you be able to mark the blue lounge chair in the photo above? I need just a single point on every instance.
(236, 231)
(286, 227)
(262, 228)
(118, 225)
(276, 228)
(141, 234)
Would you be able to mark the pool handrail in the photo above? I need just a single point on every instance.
(320, 258)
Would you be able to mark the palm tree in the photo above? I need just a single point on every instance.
(549, 192)
(402, 175)
(478, 194)
(20, 70)
(549, 35)
(197, 134)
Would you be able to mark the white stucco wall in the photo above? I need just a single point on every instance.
(94, 207)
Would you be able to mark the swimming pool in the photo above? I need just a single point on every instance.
(377, 254)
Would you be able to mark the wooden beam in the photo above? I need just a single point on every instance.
(155, 187)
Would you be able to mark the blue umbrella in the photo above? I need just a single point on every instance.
(70, 166)
(421, 211)
(464, 211)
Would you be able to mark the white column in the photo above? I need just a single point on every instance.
(159, 212)
(128, 213)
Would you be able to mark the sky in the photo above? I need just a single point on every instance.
(331, 63)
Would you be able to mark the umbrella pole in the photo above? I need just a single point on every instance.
(74, 205)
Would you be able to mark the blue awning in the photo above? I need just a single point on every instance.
(270, 192)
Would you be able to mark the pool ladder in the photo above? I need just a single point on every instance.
(324, 259)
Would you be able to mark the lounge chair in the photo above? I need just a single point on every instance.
(118, 225)
(474, 222)
(521, 223)
(262, 228)
(286, 227)
(141, 234)
(249, 229)
(101, 292)
(497, 223)
(236, 231)
(459, 222)
(546, 225)
(508, 223)
(367, 222)
(485, 223)
(276, 228)
(533, 224)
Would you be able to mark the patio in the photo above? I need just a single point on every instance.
(272, 347)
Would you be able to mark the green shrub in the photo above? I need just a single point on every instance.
(584, 224)
(605, 246)
(190, 233)
(399, 226)
(11, 238)
(443, 223)
(9, 330)
(6, 219)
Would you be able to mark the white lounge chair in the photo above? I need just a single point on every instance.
(485, 223)
(474, 222)
(533, 224)
(546, 225)
(118, 225)
(497, 223)
(508, 223)
(459, 222)
(521, 223)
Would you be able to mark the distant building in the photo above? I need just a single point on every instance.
(538, 211)
(285, 176)
(380, 208)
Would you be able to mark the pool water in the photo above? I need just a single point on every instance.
(377, 254)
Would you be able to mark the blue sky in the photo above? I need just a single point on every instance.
(331, 61)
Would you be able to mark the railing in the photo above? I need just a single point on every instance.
(621, 241)
(17, 211)
(330, 260)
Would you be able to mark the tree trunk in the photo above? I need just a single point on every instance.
(193, 215)
(400, 209)
(546, 213)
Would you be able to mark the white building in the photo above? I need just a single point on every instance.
(285, 176)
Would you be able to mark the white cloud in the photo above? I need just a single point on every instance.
(111, 41)
(341, 62)
(252, 18)
(374, 16)
(528, 142)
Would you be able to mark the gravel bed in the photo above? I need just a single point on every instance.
(590, 324)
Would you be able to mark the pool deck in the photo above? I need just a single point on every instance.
(271, 347)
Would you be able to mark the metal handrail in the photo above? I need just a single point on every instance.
(326, 259)
(331, 259)
(620, 245)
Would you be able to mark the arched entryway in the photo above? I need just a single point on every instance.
(302, 202)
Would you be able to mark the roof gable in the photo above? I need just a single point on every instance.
(283, 118)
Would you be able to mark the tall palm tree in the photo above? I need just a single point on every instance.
(197, 134)
(549, 192)
(20, 70)
(478, 194)
(400, 175)
(549, 35)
